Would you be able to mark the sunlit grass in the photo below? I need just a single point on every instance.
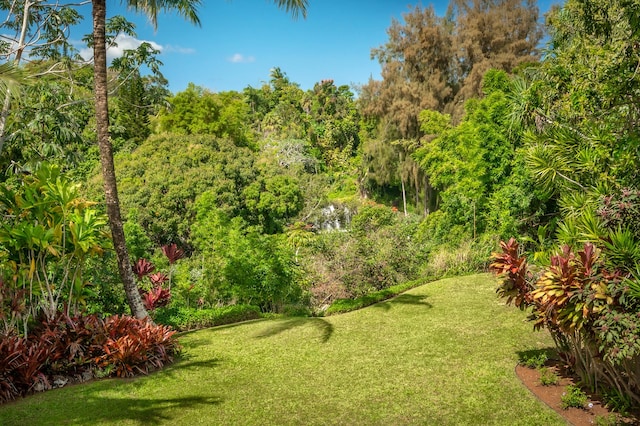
(443, 353)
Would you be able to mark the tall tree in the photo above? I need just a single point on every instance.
(416, 70)
(28, 27)
(437, 63)
(499, 34)
(188, 9)
(582, 110)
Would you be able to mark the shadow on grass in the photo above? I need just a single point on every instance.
(404, 299)
(218, 327)
(145, 411)
(323, 326)
(185, 362)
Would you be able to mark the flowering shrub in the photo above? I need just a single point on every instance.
(589, 310)
(621, 210)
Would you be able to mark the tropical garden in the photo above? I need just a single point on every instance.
(496, 139)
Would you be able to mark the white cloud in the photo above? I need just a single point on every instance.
(122, 42)
(126, 42)
(239, 58)
(179, 49)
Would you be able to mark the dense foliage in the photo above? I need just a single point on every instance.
(81, 347)
(580, 112)
(48, 232)
(280, 199)
(252, 185)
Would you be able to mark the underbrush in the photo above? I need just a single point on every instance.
(468, 257)
(81, 347)
(183, 318)
(347, 305)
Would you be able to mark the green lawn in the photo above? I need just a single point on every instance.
(441, 354)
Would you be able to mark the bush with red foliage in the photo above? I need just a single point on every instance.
(20, 365)
(136, 346)
(591, 312)
(119, 346)
(513, 269)
(157, 297)
(74, 341)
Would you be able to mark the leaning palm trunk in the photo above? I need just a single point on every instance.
(106, 160)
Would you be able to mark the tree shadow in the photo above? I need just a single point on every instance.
(144, 411)
(193, 343)
(221, 326)
(185, 362)
(323, 326)
(404, 299)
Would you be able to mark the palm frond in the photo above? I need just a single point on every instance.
(11, 78)
(295, 7)
(188, 9)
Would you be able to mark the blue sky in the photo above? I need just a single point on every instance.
(240, 41)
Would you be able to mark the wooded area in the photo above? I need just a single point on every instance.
(287, 199)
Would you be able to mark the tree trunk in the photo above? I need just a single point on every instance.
(416, 183)
(106, 160)
(404, 198)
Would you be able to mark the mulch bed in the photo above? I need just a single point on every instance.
(552, 396)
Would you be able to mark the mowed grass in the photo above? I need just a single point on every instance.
(441, 354)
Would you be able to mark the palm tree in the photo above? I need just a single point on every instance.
(188, 9)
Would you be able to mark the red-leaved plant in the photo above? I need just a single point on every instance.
(20, 365)
(589, 310)
(121, 346)
(142, 267)
(172, 252)
(136, 346)
(513, 270)
(157, 296)
(158, 278)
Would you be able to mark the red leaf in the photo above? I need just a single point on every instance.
(172, 252)
(142, 268)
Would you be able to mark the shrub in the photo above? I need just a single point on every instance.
(157, 296)
(621, 210)
(548, 377)
(184, 318)
(573, 397)
(616, 401)
(590, 311)
(237, 263)
(467, 257)
(11, 357)
(372, 217)
(20, 365)
(74, 341)
(64, 345)
(512, 269)
(136, 346)
(353, 264)
(48, 232)
(535, 361)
